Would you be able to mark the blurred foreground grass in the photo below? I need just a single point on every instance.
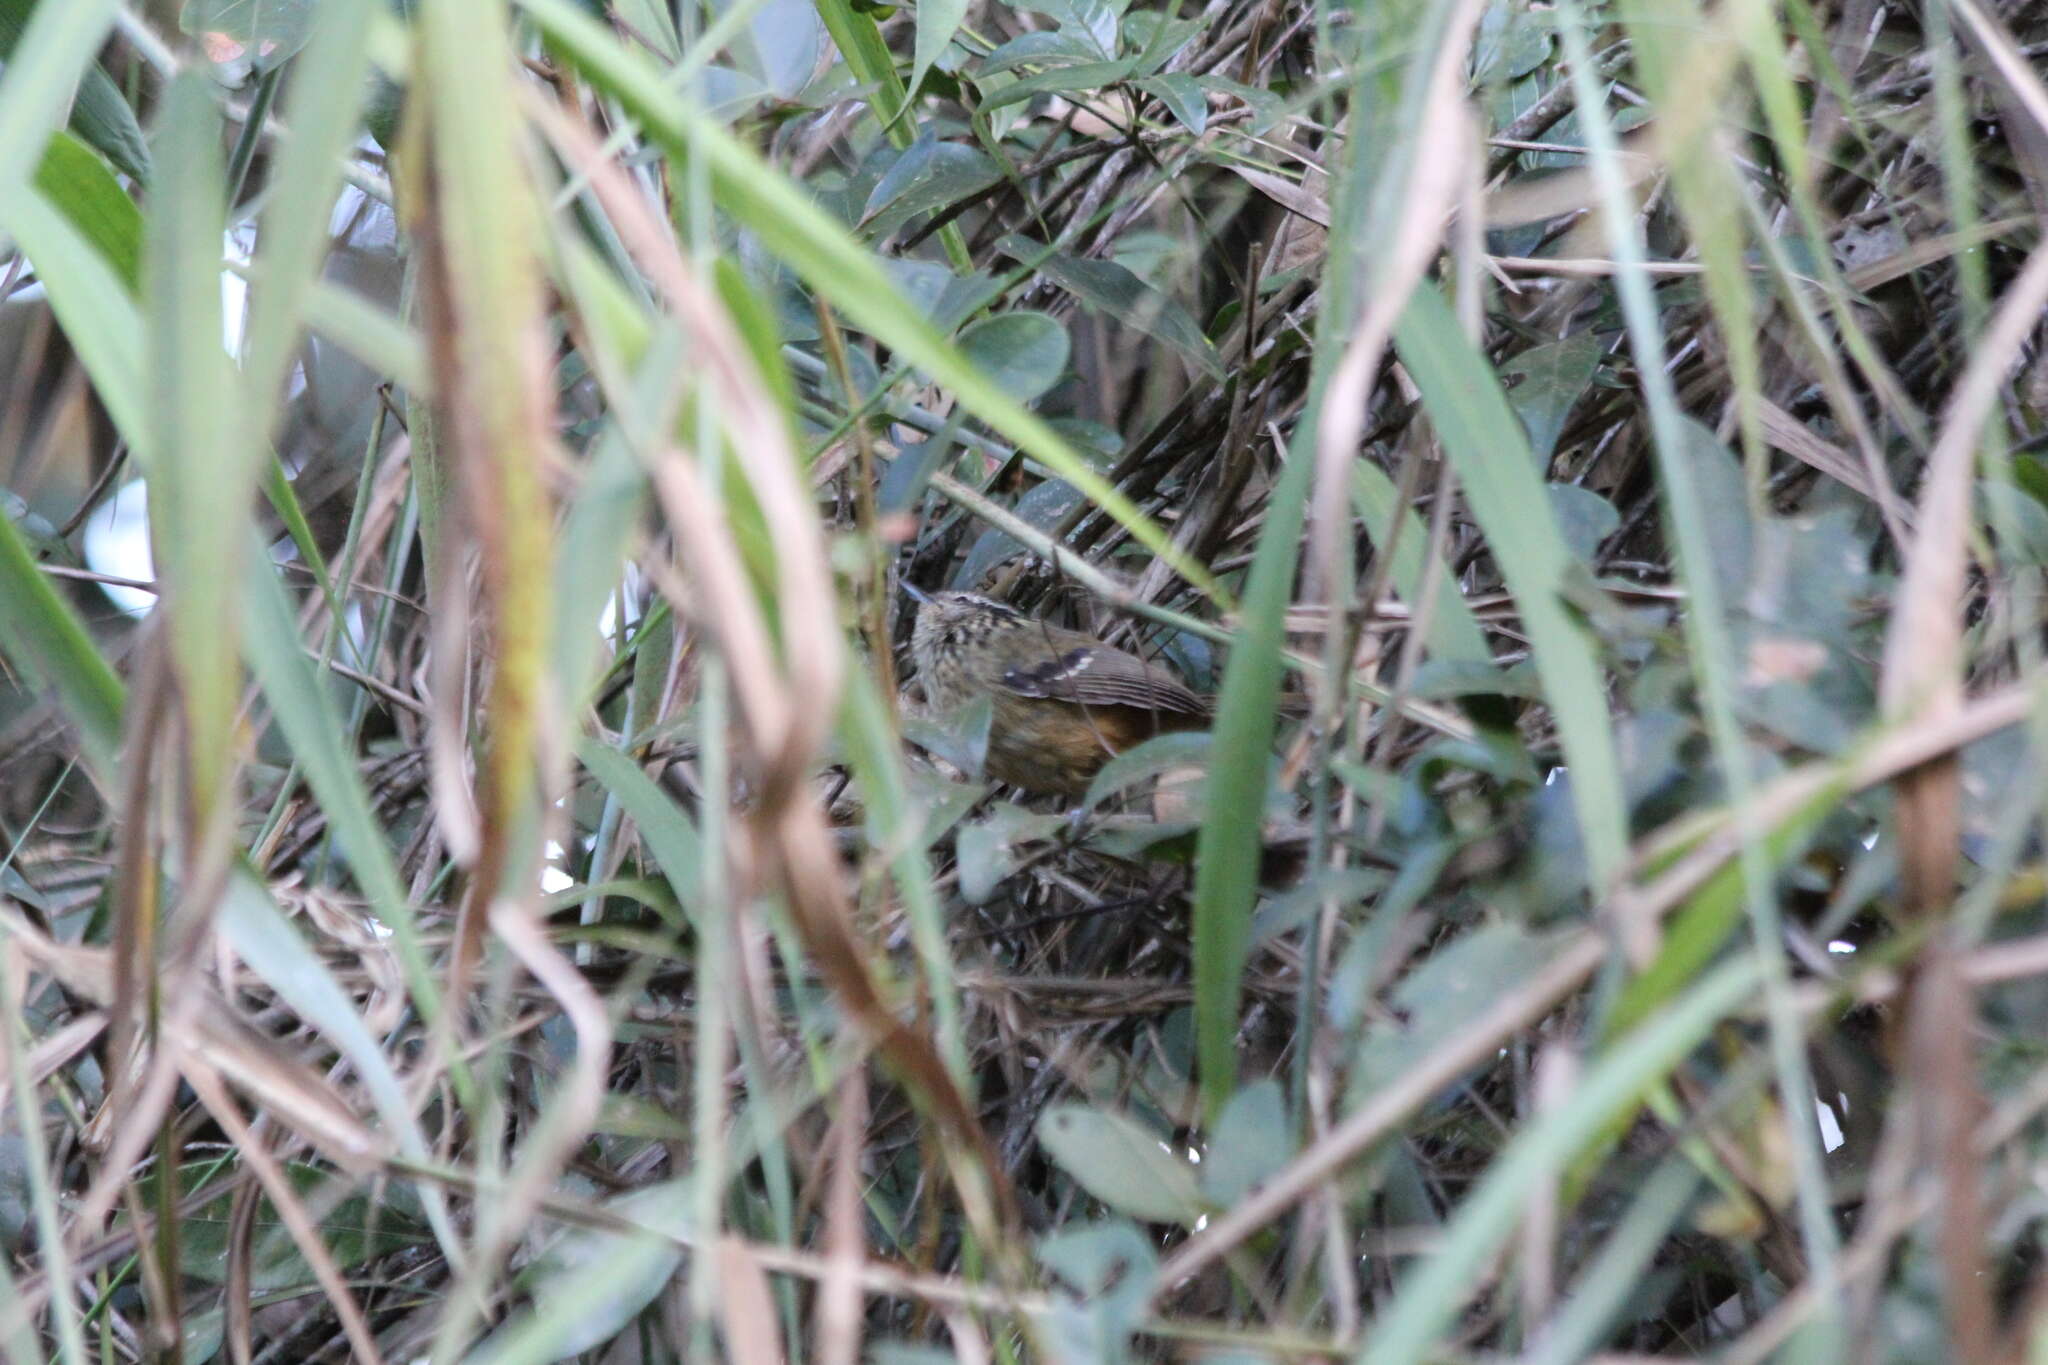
(473, 885)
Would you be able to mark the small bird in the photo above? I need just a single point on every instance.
(1061, 703)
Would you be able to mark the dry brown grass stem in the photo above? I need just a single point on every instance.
(782, 734)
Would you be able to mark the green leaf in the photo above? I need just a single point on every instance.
(651, 20)
(56, 43)
(1615, 1279)
(306, 716)
(100, 115)
(1487, 447)
(196, 465)
(1092, 21)
(729, 95)
(275, 951)
(1584, 518)
(791, 226)
(1266, 107)
(1454, 633)
(786, 42)
(1103, 1273)
(1730, 536)
(1183, 97)
(1116, 293)
(1554, 377)
(1043, 507)
(1159, 754)
(2027, 541)
(904, 482)
(755, 320)
(937, 22)
(960, 737)
(611, 497)
(356, 1227)
(895, 821)
(939, 294)
(371, 333)
(1512, 43)
(1429, 1297)
(1301, 903)
(1058, 47)
(1710, 917)
(1252, 1140)
(1121, 1163)
(42, 637)
(81, 187)
(1227, 852)
(1158, 37)
(2030, 472)
(1453, 985)
(988, 849)
(103, 121)
(1060, 80)
(1025, 353)
(321, 109)
(670, 833)
(94, 306)
(930, 175)
(591, 1283)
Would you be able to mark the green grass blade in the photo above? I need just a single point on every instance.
(43, 638)
(93, 304)
(200, 475)
(1429, 1298)
(74, 179)
(326, 96)
(1601, 1293)
(1674, 438)
(42, 74)
(1454, 632)
(264, 939)
(876, 760)
(1228, 846)
(370, 334)
(1488, 447)
(311, 724)
(670, 833)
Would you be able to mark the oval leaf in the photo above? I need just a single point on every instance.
(1252, 1140)
(1552, 379)
(1121, 1163)
(929, 175)
(1112, 289)
(1159, 754)
(1439, 997)
(988, 848)
(609, 1274)
(1024, 353)
(1584, 518)
(1183, 98)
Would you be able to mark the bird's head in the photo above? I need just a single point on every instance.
(953, 619)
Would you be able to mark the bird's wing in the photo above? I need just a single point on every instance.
(1097, 675)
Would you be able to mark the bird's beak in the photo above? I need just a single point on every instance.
(917, 594)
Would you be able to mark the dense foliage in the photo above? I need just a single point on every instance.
(479, 879)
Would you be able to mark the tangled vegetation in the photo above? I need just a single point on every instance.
(486, 884)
